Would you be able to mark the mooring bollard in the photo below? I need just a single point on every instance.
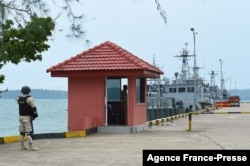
(189, 121)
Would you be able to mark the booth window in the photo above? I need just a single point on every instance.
(140, 90)
(114, 89)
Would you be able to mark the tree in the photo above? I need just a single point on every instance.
(25, 29)
(25, 43)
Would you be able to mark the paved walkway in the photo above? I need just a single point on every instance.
(209, 131)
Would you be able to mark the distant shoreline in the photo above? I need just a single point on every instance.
(37, 93)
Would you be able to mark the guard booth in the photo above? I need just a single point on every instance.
(96, 79)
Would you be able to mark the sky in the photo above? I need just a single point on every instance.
(223, 32)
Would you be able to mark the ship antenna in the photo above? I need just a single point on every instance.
(195, 65)
(212, 78)
(154, 60)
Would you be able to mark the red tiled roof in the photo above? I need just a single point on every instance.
(106, 56)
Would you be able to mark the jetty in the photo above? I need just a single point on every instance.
(218, 131)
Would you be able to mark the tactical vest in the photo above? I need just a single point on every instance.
(24, 107)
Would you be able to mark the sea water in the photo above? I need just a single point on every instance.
(52, 116)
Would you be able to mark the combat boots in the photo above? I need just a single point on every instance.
(32, 148)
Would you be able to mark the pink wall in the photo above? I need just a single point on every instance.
(137, 112)
(85, 102)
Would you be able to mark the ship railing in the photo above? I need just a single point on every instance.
(160, 107)
(157, 102)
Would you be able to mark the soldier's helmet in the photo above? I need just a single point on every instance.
(25, 90)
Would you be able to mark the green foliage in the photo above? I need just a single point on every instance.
(25, 28)
(25, 43)
(1, 78)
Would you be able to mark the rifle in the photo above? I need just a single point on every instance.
(32, 128)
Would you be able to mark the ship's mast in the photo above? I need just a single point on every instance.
(154, 60)
(195, 68)
(185, 67)
(222, 79)
(212, 78)
(155, 82)
(184, 57)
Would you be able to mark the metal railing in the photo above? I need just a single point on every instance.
(162, 107)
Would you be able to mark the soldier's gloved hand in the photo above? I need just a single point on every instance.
(35, 115)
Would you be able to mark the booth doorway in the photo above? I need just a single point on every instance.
(116, 101)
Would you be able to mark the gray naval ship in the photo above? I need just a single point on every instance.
(186, 91)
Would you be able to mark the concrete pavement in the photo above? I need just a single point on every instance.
(209, 131)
